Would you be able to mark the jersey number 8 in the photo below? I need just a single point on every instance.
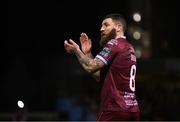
(132, 78)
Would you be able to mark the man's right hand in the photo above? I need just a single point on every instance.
(86, 44)
(70, 46)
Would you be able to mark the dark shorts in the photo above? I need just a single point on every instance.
(118, 116)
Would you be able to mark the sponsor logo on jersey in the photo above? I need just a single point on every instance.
(105, 52)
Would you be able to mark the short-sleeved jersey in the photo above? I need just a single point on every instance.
(118, 76)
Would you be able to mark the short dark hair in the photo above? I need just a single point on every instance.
(117, 17)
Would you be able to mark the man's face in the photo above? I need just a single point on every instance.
(108, 31)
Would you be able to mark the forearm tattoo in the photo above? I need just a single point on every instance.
(88, 63)
(83, 59)
(96, 64)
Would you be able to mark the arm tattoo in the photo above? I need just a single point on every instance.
(82, 58)
(96, 64)
(89, 64)
(85, 61)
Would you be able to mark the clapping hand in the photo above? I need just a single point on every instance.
(85, 43)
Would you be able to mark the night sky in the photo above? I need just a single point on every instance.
(34, 60)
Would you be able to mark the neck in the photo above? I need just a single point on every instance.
(120, 35)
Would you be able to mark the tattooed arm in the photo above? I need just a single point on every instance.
(86, 46)
(89, 64)
(95, 74)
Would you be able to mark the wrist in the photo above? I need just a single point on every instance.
(89, 55)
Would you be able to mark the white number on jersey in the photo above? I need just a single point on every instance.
(132, 78)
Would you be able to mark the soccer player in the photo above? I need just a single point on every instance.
(114, 67)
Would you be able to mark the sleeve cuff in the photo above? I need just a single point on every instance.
(102, 59)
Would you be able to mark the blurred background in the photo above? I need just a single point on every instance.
(40, 81)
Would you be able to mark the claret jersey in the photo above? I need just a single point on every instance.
(118, 77)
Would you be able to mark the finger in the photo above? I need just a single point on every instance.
(67, 44)
(72, 42)
(90, 42)
(84, 35)
(81, 38)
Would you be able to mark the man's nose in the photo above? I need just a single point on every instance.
(102, 29)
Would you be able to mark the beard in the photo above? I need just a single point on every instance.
(105, 38)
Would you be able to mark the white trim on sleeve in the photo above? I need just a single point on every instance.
(102, 59)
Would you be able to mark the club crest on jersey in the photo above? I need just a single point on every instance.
(105, 52)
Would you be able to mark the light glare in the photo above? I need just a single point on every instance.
(137, 17)
(20, 104)
(137, 35)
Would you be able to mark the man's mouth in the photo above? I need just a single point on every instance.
(102, 34)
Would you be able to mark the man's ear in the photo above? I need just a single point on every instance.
(119, 27)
